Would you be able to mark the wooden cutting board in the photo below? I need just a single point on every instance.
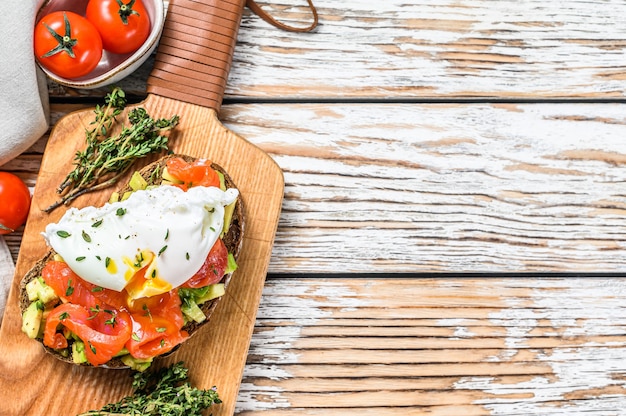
(32, 382)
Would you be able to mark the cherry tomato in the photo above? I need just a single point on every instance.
(198, 173)
(67, 44)
(123, 26)
(213, 268)
(14, 202)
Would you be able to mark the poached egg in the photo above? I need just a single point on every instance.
(148, 244)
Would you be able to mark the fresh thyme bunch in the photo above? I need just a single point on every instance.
(164, 393)
(107, 158)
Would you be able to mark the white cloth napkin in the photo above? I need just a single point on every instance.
(6, 274)
(24, 111)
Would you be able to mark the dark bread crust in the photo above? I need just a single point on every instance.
(233, 241)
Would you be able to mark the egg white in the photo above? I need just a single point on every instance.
(164, 230)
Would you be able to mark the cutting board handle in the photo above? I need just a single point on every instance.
(196, 51)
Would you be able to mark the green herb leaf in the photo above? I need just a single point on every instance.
(138, 259)
(80, 258)
(165, 392)
(112, 320)
(107, 157)
(147, 313)
(120, 212)
(63, 234)
(97, 224)
(70, 288)
(86, 237)
(95, 311)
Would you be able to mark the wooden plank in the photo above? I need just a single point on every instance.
(431, 49)
(530, 354)
(439, 48)
(438, 187)
(445, 187)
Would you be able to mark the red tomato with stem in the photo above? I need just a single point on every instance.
(14, 202)
(124, 27)
(67, 44)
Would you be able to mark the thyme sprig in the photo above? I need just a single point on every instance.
(107, 158)
(166, 392)
(105, 117)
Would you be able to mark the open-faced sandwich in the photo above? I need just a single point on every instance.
(132, 280)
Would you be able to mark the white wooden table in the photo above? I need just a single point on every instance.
(453, 234)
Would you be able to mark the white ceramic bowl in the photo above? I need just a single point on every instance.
(112, 67)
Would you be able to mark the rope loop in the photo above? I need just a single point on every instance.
(256, 9)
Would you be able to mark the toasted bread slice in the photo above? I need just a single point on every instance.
(233, 239)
